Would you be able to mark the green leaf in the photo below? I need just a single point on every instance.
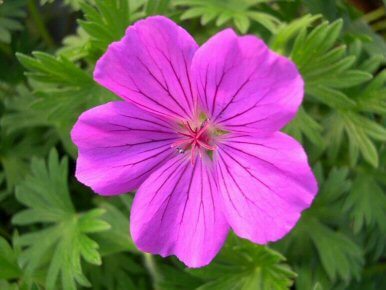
(106, 21)
(332, 191)
(371, 64)
(366, 204)
(48, 69)
(60, 245)
(5, 285)
(176, 278)
(305, 126)
(373, 43)
(241, 12)
(11, 14)
(117, 239)
(16, 152)
(270, 22)
(325, 67)
(329, 96)
(286, 32)
(118, 272)
(45, 192)
(75, 4)
(241, 22)
(373, 97)
(312, 278)
(253, 267)
(339, 255)
(75, 46)
(9, 269)
(63, 91)
(19, 114)
(156, 7)
(361, 133)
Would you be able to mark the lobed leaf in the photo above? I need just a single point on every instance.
(366, 204)
(60, 246)
(9, 269)
(241, 13)
(254, 267)
(106, 21)
(11, 14)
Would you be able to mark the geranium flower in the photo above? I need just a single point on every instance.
(197, 135)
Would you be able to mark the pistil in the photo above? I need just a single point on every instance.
(194, 139)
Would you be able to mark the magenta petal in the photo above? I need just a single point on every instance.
(265, 184)
(119, 146)
(243, 85)
(150, 65)
(176, 211)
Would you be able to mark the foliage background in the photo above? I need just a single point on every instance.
(57, 234)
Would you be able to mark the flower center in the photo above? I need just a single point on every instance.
(195, 139)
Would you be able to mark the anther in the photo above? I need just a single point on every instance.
(195, 139)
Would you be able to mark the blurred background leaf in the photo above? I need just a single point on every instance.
(56, 234)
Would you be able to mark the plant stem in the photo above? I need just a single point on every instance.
(152, 268)
(37, 18)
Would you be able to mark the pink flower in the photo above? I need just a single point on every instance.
(197, 135)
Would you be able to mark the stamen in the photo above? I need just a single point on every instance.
(180, 142)
(202, 130)
(206, 146)
(197, 139)
(190, 128)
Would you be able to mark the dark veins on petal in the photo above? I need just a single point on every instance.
(239, 187)
(145, 159)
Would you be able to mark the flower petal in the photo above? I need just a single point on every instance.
(176, 212)
(265, 184)
(119, 146)
(243, 85)
(150, 65)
